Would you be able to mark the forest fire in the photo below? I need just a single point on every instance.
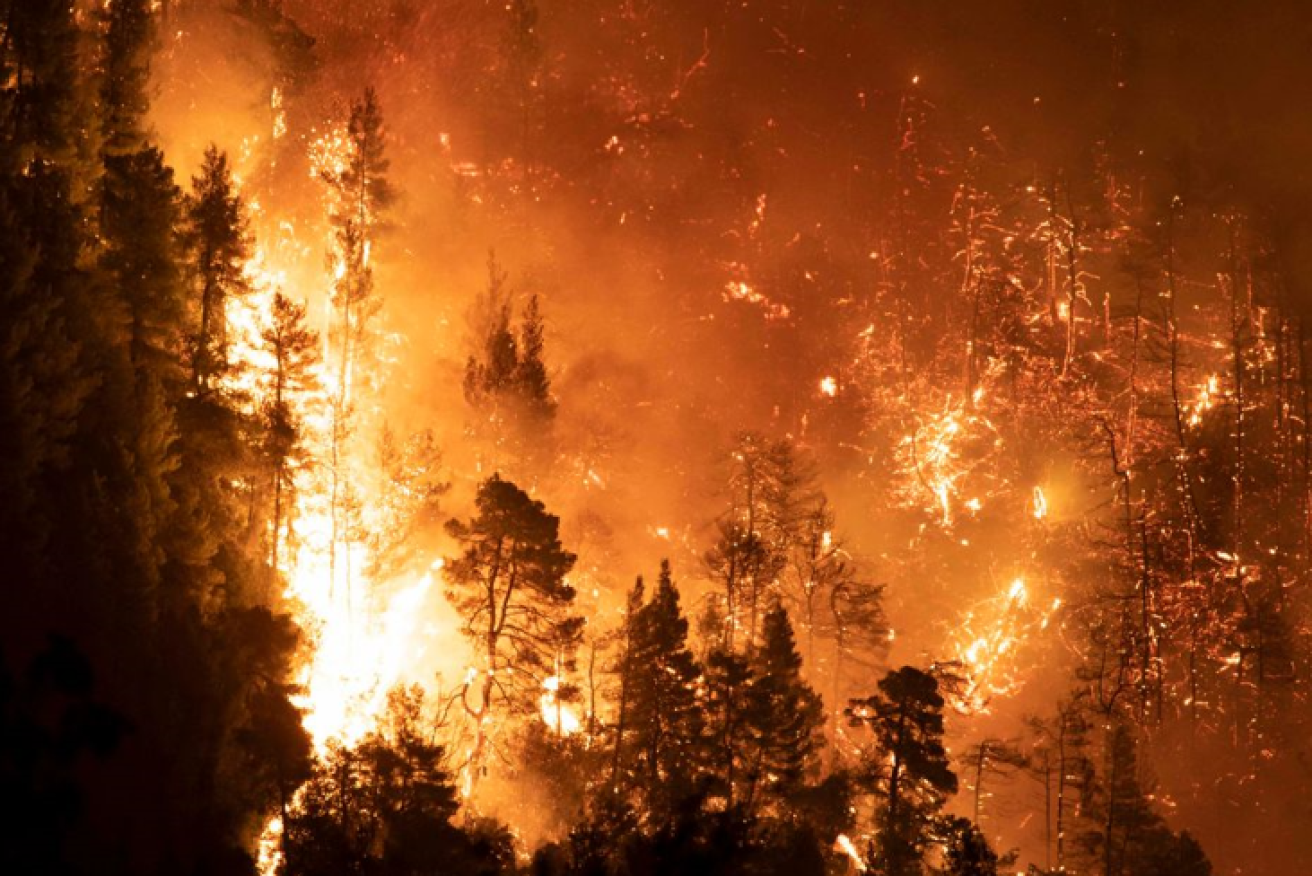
(501, 438)
(990, 638)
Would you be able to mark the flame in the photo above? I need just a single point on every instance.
(1205, 400)
(844, 844)
(988, 640)
(269, 857)
(1040, 504)
(279, 114)
(557, 715)
(330, 153)
(739, 290)
(364, 636)
(829, 386)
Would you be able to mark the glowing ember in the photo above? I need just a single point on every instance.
(739, 290)
(988, 641)
(1205, 400)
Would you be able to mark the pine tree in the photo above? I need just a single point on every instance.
(218, 475)
(966, 851)
(506, 382)
(508, 584)
(728, 705)
(138, 336)
(1124, 835)
(908, 769)
(989, 758)
(768, 486)
(491, 369)
(833, 604)
(662, 722)
(785, 716)
(294, 350)
(384, 805)
(140, 215)
(40, 69)
(129, 42)
(409, 501)
(531, 381)
(44, 376)
(625, 668)
(277, 753)
(361, 196)
(220, 242)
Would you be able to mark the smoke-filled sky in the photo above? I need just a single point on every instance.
(723, 204)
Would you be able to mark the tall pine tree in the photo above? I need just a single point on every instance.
(660, 735)
(908, 769)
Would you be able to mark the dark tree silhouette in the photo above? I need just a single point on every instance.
(907, 768)
(508, 584)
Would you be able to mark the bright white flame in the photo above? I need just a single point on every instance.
(1040, 504)
(844, 844)
(1017, 593)
(557, 715)
(269, 858)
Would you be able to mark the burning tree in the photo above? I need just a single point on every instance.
(293, 349)
(220, 240)
(1122, 833)
(353, 167)
(386, 805)
(768, 485)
